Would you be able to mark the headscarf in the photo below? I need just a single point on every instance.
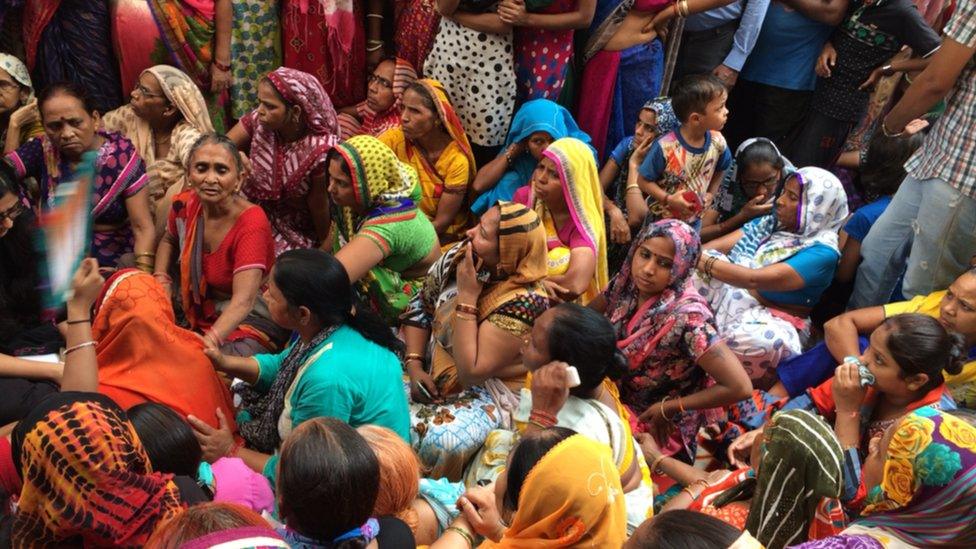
(303, 89)
(375, 123)
(18, 71)
(450, 120)
(87, 476)
(538, 115)
(667, 120)
(927, 497)
(246, 537)
(640, 328)
(143, 356)
(571, 498)
(584, 198)
(381, 183)
(737, 198)
(820, 214)
(801, 462)
(184, 95)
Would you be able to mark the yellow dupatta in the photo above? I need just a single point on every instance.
(584, 197)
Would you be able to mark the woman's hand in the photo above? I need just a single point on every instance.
(550, 387)
(216, 443)
(660, 426)
(513, 12)
(419, 377)
(848, 392)
(220, 80)
(217, 358)
(876, 75)
(678, 203)
(25, 116)
(826, 61)
(756, 207)
(741, 448)
(557, 293)
(649, 447)
(640, 153)
(619, 229)
(468, 285)
(86, 285)
(477, 505)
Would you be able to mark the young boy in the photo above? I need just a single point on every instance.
(692, 158)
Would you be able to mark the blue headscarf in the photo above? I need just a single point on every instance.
(538, 115)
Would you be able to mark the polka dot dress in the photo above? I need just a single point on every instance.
(476, 70)
(543, 57)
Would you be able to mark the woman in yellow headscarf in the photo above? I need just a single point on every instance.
(430, 138)
(570, 497)
(565, 191)
(385, 244)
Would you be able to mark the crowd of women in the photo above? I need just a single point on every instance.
(461, 273)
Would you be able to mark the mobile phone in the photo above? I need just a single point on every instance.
(424, 391)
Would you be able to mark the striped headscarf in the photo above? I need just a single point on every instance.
(800, 464)
(375, 123)
(86, 476)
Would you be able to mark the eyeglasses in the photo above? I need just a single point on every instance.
(145, 92)
(767, 183)
(7, 86)
(381, 81)
(13, 212)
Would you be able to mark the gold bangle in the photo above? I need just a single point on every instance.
(463, 533)
(656, 464)
(465, 308)
(465, 316)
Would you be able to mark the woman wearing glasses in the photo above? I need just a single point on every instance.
(23, 330)
(19, 119)
(383, 105)
(165, 116)
(747, 190)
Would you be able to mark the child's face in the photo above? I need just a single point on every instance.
(715, 113)
(646, 126)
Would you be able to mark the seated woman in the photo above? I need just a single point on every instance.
(223, 248)
(919, 478)
(165, 116)
(384, 100)
(688, 529)
(788, 494)
(677, 365)
(287, 138)
(215, 524)
(380, 236)
(19, 119)
(121, 216)
(173, 448)
(71, 499)
(559, 490)
(323, 462)
(343, 365)
(464, 333)
(565, 192)
(536, 125)
(399, 475)
(24, 328)
(776, 269)
(748, 188)
(431, 139)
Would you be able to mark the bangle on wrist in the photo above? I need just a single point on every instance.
(463, 533)
(888, 70)
(656, 464)
(887, 132)
(74, 348)
(465, 308)
(220, 66)
(79, 321)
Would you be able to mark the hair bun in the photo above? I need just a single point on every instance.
(618, 366)
(957, 354)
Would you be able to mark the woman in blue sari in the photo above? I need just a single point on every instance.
(536, 124)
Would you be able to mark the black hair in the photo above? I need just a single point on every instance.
(920, 344)
(425, 96)
(317, 280)
(883, 169)
(529, 451)
(333, 154)
(761, 151)
(328, 480)
(66, 88)
(216, 139)
(20, 301)
(693, 93)
(168, 439)
(584, 338)
(683, 529)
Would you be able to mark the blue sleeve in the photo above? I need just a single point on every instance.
(815, 264)
(852, 474)
(652, 168)
(857, 226)
(747, 34)
(724, 161)
(619, 154)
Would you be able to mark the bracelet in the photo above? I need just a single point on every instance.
(146, 254)
(465, 308)
(663, 400)
(374, 48)
(508, 156)
(545, 418)
(79, 321)
(539, 425)
(413, 356)
(888, 70)
(887, 133)
(463, 533)
(681, 407)
(542, 423)
(375, 15)
(70, 350)
(632, 186)
(465, 316)
(656, 464)
(220, 66)
(688, 491)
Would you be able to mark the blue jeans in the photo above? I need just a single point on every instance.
(929, 224)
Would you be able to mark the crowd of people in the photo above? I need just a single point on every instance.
(491, 273)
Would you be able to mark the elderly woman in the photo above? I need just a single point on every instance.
(165, 116)
(464, 333)
(431, 139)
(222, 244)
(121, 216)
(677, 365)
(566, 194)
(777, 267)
(381, 237)
(384, 100)
(19, 119)
(287, 137)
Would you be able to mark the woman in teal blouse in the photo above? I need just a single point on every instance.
(344, 365)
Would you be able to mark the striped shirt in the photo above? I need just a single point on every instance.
(949, 151)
